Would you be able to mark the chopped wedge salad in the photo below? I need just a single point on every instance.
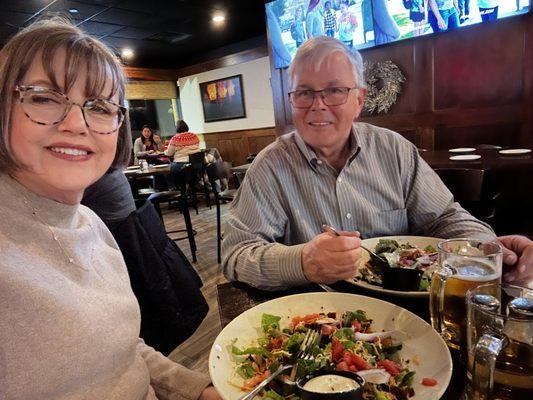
(347, 343)
(402, 256)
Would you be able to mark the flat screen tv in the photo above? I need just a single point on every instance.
(366, 23)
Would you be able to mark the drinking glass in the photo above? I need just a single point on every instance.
(499, 342)
(463, 264)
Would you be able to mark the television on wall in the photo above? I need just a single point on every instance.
(367, 23)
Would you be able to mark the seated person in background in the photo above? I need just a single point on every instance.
(69, 321)
(182, 143)
(147, 143)
(357, 177)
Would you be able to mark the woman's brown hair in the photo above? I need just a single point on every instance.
(46, 37)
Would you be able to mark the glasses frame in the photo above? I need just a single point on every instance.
(21, 89)
(322, 96)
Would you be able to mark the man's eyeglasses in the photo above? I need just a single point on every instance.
(333, 96)
(46, 106)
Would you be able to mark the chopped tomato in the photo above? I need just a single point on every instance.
(275, 343)
(390, 366)
(327, 330)
(342, 366)
(429, 382)
(306, 319)
(336, 350)
(356, 361)
(356, 326)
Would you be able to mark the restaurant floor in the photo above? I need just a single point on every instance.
(194, 352)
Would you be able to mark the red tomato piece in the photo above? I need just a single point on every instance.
(390, 366)
(336, 350)
(357, 361)
(356, 326)
(429, 382)
(342, 366)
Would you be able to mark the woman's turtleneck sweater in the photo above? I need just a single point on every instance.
(69, 330)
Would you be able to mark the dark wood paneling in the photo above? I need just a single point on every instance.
(151, 74)
(470, 86)
(234, 146)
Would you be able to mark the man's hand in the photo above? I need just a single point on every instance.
(209, 393)
(328, 258)
(518, 257)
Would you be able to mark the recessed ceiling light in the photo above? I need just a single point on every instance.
(73, 10)
(127, 53)
(218, 18)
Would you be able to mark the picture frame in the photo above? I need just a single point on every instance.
(223, 99)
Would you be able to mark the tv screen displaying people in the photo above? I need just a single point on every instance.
(366, 23)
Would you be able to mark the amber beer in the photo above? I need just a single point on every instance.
(467, 274)
(513, 377)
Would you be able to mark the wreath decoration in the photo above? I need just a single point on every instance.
(384, 84)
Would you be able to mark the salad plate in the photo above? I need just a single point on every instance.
(514, 152)
(462, 150)
(465, 157)
(418, 242)
(417, 337)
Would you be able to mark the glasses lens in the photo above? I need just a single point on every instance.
(335, 96)
(102, 116)
(302, 98)
(44, 106)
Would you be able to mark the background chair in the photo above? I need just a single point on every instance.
(215, 172)
(183, 177)
(199, 164)
(472, 189)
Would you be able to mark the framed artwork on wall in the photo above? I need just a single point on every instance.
(223, 99)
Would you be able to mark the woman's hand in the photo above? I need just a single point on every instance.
(209, 393)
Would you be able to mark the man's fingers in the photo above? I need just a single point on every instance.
(509, 256)
(341, 243)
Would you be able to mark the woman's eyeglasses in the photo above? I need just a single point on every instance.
(333, 96)
(46, 106)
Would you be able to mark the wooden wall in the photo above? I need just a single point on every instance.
(463, 88)
(234, 146)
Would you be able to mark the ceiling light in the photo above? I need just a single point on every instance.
(127, 53)
(218, 18)
(73, 10)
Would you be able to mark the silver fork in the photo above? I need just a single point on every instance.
(311, 338)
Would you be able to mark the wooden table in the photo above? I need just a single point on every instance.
(151, 171)
(240, 169)
(234, 298)
(490, 160)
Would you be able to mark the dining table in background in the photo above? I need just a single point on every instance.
(234, 298)
(490, 160)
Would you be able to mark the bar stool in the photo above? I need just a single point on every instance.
(183, 176)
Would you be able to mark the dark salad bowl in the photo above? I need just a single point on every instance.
(401, 279)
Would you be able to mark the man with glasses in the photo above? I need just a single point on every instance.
(358, 178)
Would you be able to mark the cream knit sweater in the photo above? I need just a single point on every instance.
(70, 331)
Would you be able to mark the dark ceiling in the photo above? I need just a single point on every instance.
(163, 34)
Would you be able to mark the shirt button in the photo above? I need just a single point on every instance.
(349, 216)
(319, 162)
(339, 179)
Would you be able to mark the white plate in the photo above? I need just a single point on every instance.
(462, 150)
(429, 355)
(418, 241)
(466, 157)
(514, 151)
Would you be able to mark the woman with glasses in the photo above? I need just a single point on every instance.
(69, 322)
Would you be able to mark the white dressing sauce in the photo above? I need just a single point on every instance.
(330, 384)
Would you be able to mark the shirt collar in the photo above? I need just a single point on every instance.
(312, 157)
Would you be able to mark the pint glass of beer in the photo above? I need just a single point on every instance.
(499, 342)
(463, 264)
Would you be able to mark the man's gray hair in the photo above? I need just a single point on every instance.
(315, 50)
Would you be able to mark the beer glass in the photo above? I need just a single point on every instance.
(463, 264)
(499, 342)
